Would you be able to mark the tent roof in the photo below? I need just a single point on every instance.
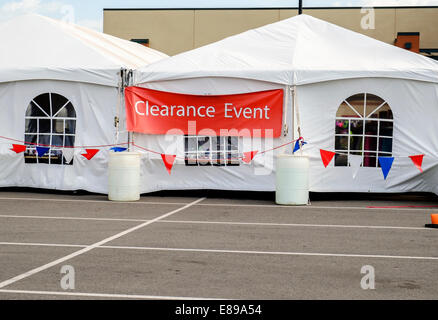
(295, 51)
(37, 47)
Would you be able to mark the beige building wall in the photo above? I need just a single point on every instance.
(168, 31)
(424, 21)
(178, 30)
(214, 25)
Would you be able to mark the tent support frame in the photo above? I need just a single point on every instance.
(296, 112)
(126, 80)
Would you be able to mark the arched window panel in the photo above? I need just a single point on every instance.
(50, 121)
(356, 102)
(66, 111)
(43, 102)
(364, 127)
(58, 102)
(34, 110)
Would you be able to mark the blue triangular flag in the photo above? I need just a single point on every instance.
(118, 149)
(42, 151)
(297, 145)
(386, 164)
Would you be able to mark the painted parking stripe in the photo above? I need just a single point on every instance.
(93, 246)
(94, 201)
(269, 224)
(264, 224)
(307, 207)
(11, 216)
(220, 204)
(194, 250)
(103, 295)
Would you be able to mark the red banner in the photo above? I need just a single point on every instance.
(251, 114)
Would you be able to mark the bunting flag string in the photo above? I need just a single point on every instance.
(418, 161)
(118, 149)
(386, 164)
(355, 161)
(249, 156)
(21, 142)
(90, 153)
(42, 151)
(68, 154)
(299, 144)
(326, 156)
(168, 160)
(18, 148)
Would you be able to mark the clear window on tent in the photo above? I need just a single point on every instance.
(50, 121)
(364, 127)
(211, 151)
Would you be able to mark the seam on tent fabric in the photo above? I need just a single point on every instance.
(294, 80)
(75, 32)
(105, 38)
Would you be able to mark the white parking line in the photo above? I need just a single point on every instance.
(310, 207)
(32, 244)
(103, 295)
(93, 201)
(93, 246)
(219, 204)
(306, 225)
(280, 253)
(71, 218)
(264, 224)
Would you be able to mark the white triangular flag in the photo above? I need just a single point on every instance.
(68, 154)
(355, 163)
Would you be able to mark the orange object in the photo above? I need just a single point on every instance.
(434, 218)
(409, 41)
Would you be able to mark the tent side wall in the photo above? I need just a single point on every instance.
(257, 176)
(414, 105)
(95, 108)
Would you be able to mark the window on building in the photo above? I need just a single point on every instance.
(364, 126)
(211, 151)
(143, 42)
(50, 121)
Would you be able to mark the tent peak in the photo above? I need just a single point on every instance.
(39, 47)
(295, 51)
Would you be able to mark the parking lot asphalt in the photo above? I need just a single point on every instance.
(213, 245)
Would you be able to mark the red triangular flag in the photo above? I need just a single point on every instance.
(90, 153)
(18, 148)
(168, 160)
(326, 156)
(248, 156)
(418, 161)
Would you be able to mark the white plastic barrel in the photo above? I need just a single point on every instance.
(292, 180)
(124, 176)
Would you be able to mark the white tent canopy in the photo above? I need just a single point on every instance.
(394, 93)
(60, 87)
(38, 48)
(295, 51)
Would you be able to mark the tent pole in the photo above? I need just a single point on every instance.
(292, 103)
(129, 82)
(297, 112)
(119, 102)
(126, 81)
(300, 7)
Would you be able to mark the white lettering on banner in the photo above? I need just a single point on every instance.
(136, 108)
(231, 111)
(248, 112)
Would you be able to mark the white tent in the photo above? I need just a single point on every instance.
(354, 95)
(59, 86)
